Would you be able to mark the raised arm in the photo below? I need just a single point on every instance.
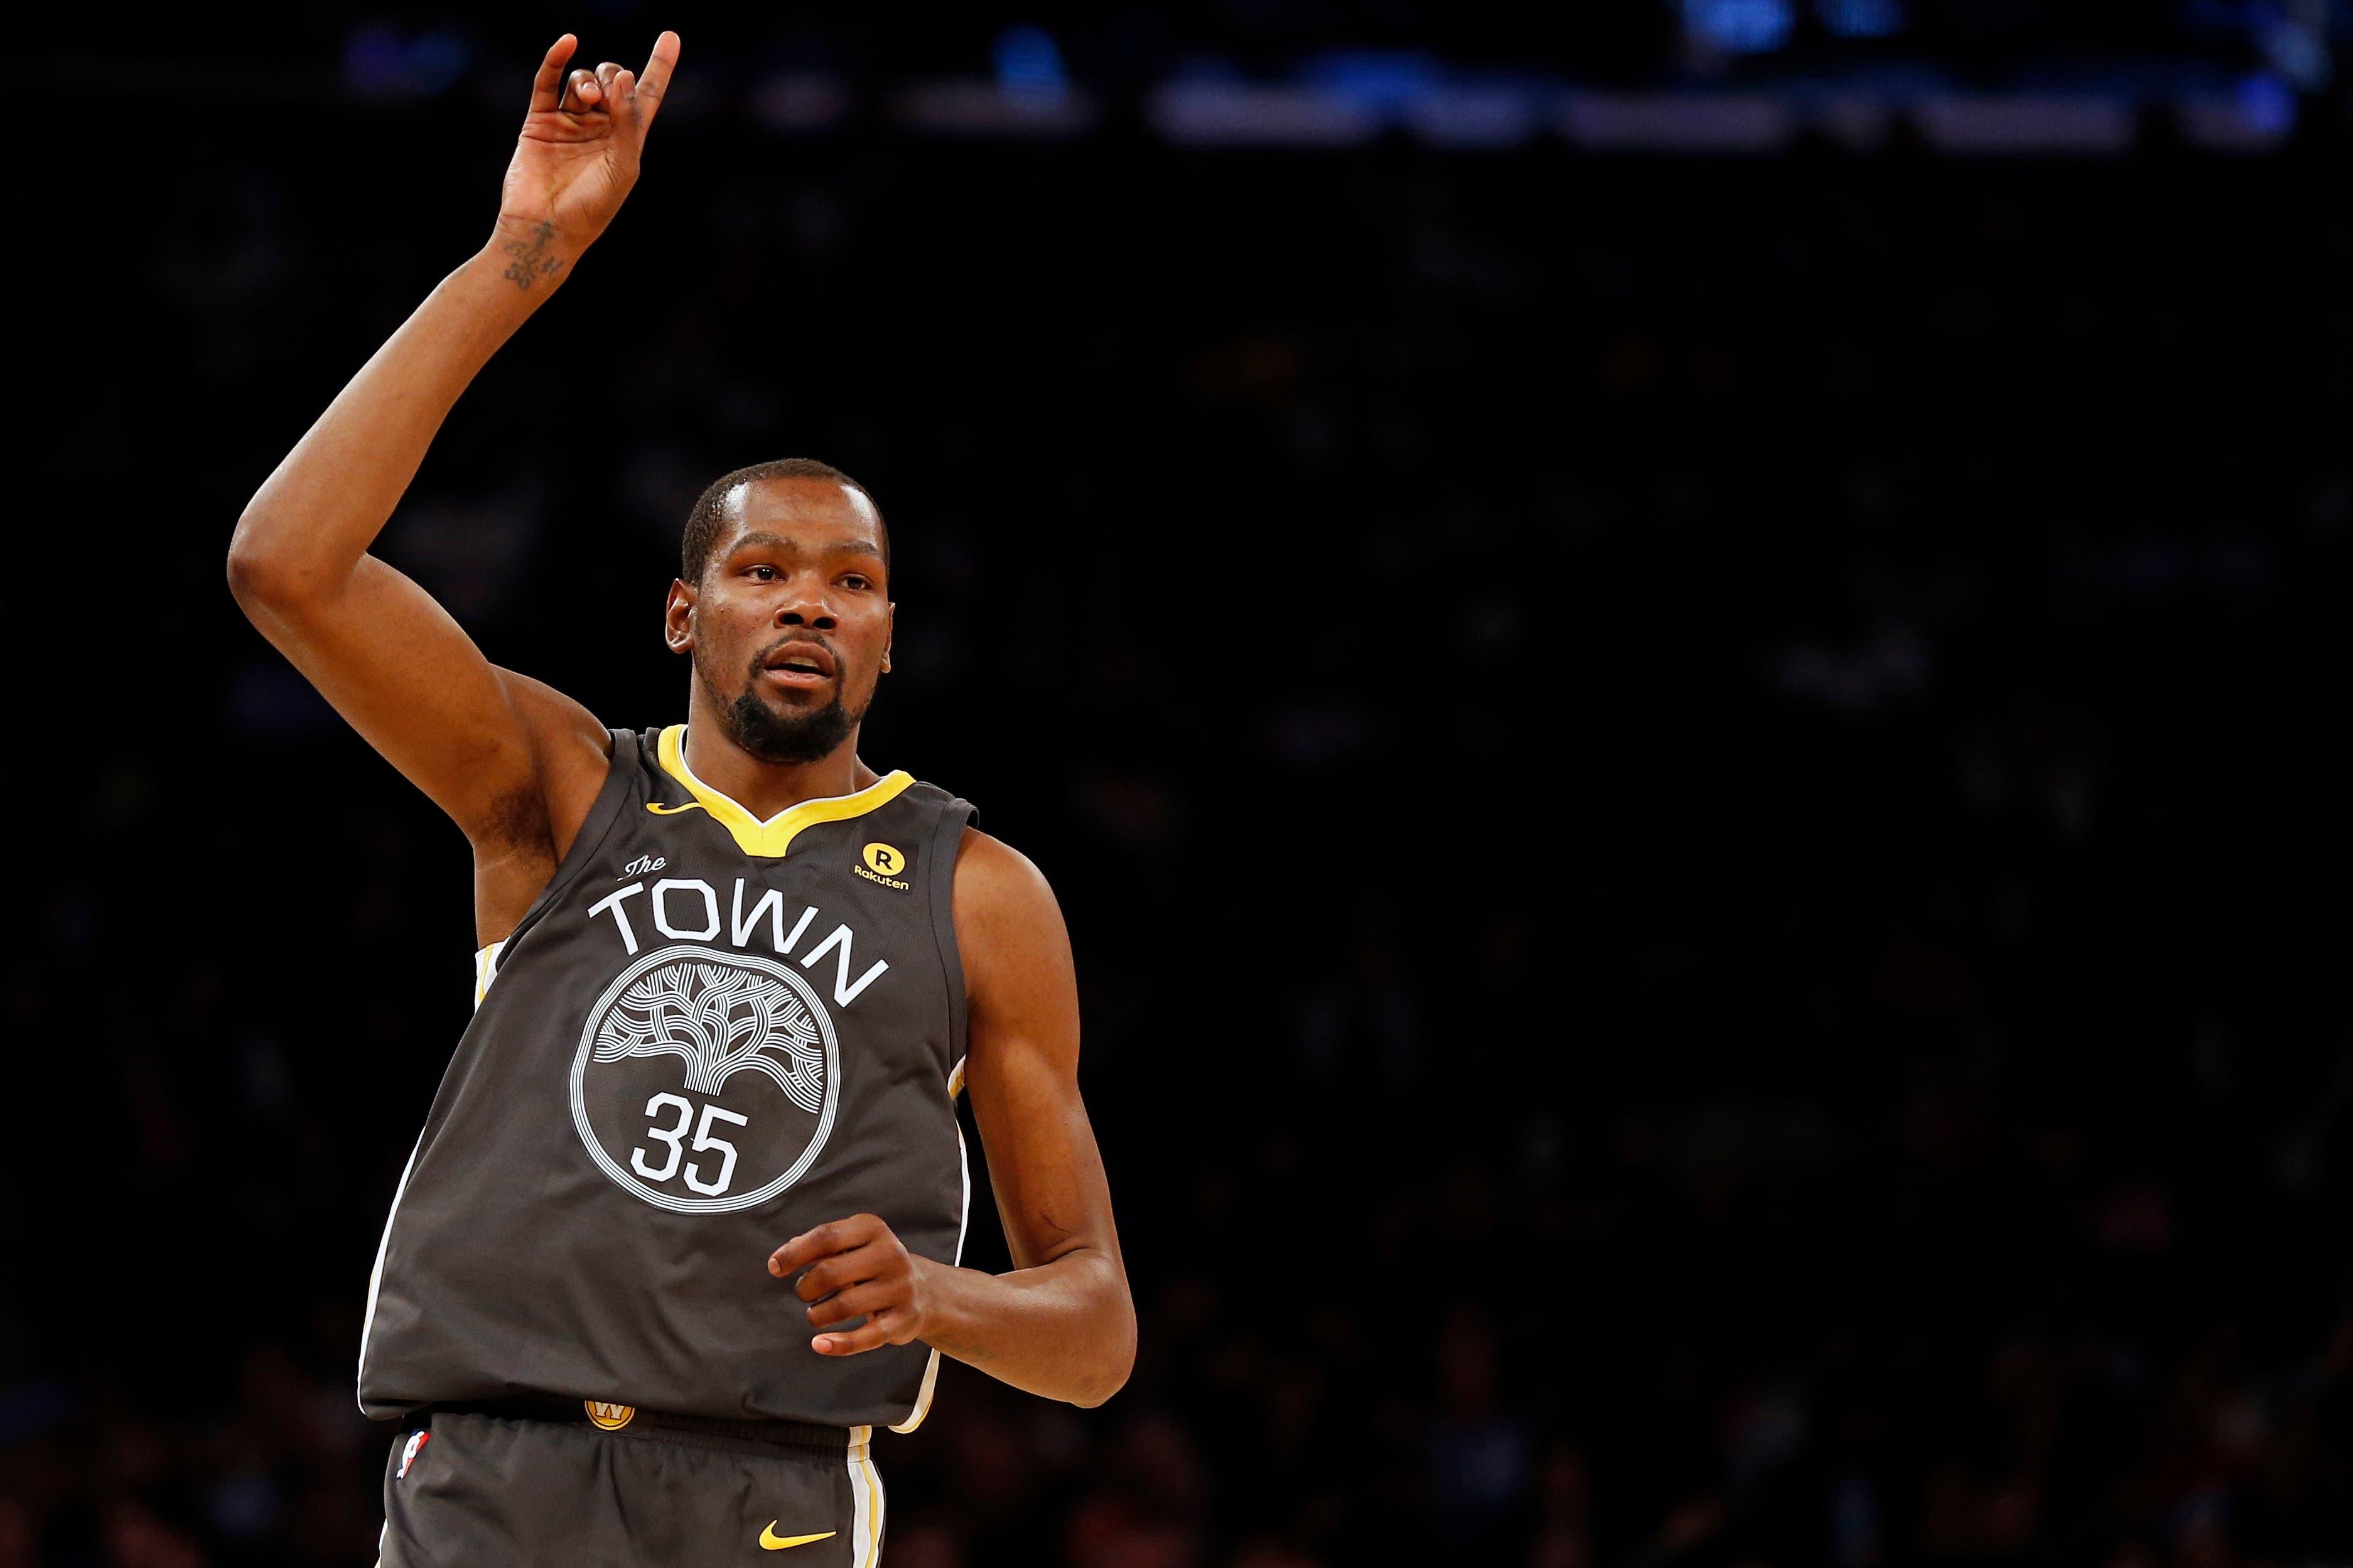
(1062, 1324)
(513, 761)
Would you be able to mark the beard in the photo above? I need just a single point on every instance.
(786, 735)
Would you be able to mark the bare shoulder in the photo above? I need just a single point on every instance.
(989, 869)
(1009, 925)
(1020, 986)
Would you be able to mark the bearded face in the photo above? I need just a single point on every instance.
(790, 625)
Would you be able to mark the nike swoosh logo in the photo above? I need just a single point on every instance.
(658, 809)
(771, 1542)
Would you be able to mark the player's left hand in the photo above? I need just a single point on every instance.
(858, 1268)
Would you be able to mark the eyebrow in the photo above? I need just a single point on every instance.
(846, 547)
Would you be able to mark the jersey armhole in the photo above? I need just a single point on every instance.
(486, 969)
(947, 838)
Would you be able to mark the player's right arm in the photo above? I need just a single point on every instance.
(513, 761)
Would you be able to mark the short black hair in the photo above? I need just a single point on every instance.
(704, 522)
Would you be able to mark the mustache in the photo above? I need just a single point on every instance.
(760, 659)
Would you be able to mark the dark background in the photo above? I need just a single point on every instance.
(1702, 797)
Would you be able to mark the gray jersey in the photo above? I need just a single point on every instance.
(708, 1034)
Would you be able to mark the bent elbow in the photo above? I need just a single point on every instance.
(1102, 1396)
(244, 578)
(260, 577)
(1120, 1365)
(253, 578)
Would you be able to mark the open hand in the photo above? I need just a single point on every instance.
(577, 156)
(858, 1268)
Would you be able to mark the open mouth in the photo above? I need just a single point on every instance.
(799, 664)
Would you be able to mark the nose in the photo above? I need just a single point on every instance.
(806, 606)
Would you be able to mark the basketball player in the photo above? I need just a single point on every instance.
(682, 1226)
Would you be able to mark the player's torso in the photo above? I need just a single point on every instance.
(708, 1035)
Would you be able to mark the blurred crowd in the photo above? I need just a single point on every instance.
(1703, 806)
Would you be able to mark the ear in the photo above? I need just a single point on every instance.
(678, 617)
(893, 611)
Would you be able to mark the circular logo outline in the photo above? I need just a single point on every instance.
(613, 1168)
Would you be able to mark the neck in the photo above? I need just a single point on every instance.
(762, 787)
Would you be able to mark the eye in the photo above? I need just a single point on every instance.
(855, 580)
(765, 574)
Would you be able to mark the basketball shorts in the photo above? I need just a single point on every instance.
(481, 1487)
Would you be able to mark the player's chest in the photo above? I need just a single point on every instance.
(722, 1020)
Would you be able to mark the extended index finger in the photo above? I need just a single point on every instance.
(654, 80)
(547, 87)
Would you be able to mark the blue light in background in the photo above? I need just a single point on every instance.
(1862, 18)
(2268, 104)
(1739, 26)
(381, 62)
(2294, 41)
(1384, 80)
(1029, 62)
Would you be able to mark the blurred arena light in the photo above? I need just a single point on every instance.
(382, 63)
(1030, 63)
(1420, 93)
(2026, 123)
(1677, 122)
(2273, 60)
(1029, 95)
(1862, 18)
(1739, 26)
(2295, 42)
(1472, 115)
(1382, 79)
(2254, 114)
(1259, 114)
(965, 107)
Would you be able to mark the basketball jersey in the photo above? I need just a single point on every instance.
(708, 1034)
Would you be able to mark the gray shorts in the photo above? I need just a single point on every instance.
(466, 1489)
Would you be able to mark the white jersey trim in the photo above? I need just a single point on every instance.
(375, 1274)
(964, 1222)
(486, 969)
(865, 1500)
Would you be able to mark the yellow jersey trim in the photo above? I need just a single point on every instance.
(865, 1500)
(772, 838)
(486, 968)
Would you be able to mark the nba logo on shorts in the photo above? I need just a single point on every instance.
(417, 1441)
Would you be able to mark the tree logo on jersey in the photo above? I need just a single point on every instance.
(719, 1020)
(705, 1082)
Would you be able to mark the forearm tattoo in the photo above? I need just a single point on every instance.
(530, 261)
